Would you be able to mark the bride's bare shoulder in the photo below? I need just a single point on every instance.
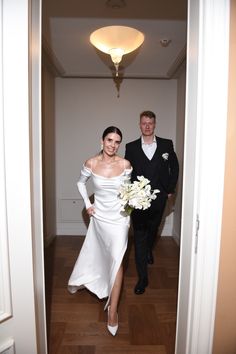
(91, 161)
(124, 163)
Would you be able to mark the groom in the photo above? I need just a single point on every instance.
(154, 158)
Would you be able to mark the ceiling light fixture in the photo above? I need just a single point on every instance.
(117, 41)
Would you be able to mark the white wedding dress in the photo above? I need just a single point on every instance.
(106, 239)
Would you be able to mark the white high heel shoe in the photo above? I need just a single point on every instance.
(111, 329)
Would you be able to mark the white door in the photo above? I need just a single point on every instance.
(22, 320)
(206, 116)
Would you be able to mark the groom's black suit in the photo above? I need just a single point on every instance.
(162, 171)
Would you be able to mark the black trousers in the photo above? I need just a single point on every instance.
(145, 226)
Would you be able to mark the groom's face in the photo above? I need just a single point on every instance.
(147, 126)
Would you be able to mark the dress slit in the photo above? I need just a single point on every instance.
(113, 278)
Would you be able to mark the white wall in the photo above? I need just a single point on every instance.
(84, 108)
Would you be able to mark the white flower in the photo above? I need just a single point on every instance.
(165, 156)
(136, 195)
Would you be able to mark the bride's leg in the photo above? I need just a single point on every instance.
(115, 295)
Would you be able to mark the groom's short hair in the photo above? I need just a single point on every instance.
(148, 114)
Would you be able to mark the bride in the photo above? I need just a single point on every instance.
(99, 264)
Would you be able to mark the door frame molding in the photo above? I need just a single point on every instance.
(206, 116)
(203, 184)
(35, 60)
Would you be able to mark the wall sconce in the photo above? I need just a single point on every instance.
(117, 41)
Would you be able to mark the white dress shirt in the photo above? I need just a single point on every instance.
(149, 149)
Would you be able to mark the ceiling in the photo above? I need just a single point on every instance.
(67, 25)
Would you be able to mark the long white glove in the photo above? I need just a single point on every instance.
(81, 184)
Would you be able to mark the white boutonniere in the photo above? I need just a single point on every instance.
(165, 156)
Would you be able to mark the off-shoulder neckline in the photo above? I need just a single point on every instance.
(95, 174)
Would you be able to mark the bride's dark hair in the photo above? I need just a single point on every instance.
(111, 129)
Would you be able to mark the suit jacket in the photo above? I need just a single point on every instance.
(162, 170)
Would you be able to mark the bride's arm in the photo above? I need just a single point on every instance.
(81, 184)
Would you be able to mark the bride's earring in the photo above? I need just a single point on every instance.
(101, 147)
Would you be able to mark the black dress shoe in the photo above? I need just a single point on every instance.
(150, 259)
(140, 287)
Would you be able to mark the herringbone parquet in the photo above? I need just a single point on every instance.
(77, 323)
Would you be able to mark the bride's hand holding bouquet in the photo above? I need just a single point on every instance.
(136, 195)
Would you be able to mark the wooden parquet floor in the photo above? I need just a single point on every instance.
(77, 323)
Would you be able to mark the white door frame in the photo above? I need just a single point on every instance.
(35, 40)
(22, 298)
(203, 182)
(206, 112)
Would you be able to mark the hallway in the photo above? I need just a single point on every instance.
(77, 323)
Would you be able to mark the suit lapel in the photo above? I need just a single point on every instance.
(141, 154)
(141, 158)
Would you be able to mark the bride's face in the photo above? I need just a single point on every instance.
(111, 143)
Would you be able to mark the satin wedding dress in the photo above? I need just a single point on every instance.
(106, 239)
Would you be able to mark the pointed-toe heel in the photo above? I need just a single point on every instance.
(112, 329)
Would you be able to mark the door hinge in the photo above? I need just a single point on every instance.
(196, 233)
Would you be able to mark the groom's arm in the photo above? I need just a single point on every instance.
(127, 153)
(130, 156)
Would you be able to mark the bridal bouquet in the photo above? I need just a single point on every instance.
(136, 195)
